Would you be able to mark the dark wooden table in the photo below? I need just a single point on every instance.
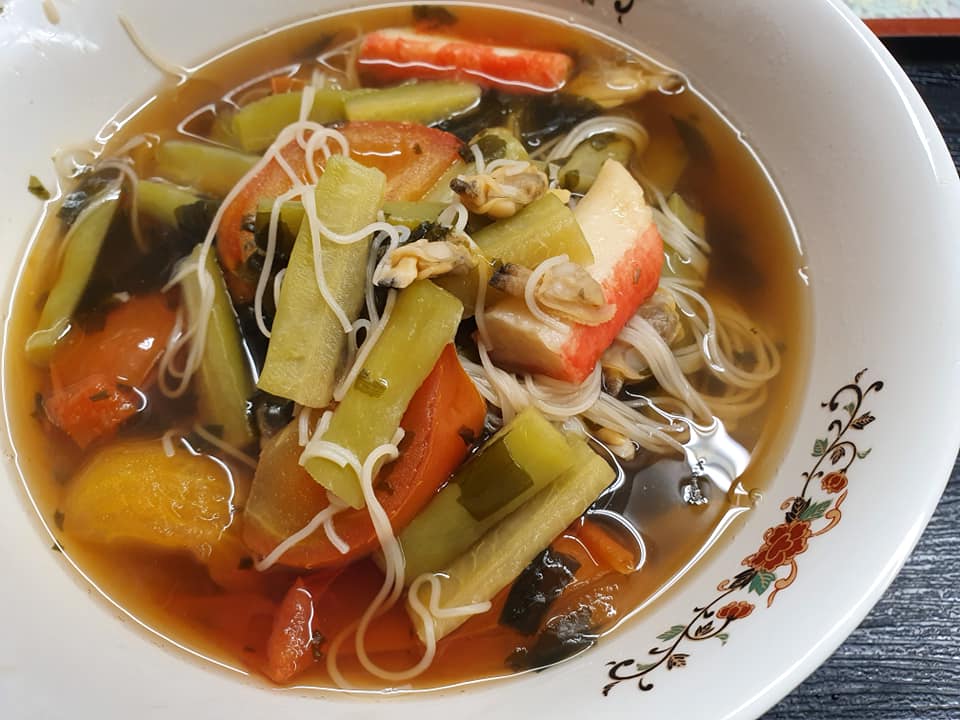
(903, 662)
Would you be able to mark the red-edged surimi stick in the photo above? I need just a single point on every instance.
(395, 55)
(628, 257)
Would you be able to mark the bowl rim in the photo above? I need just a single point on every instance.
(838, 632)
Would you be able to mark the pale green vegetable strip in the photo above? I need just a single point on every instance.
(696, 222)
(583, 166)
(160, 200)
(224, 380)
(423, 321)
(501, 555)
(291, 215)
(542, 230)
(422, 102)
(308, 341)
(208, 168)
(412, 214)
(441, 192)
(258, 124)
(82, 247)
(666, 157)
(525, 456)
(499, 144)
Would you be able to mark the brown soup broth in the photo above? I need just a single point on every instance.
(755, 260)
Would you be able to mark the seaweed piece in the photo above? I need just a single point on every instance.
(253, 339)
(36, 186)
(491, 111)
(563, 637)
(433, 16)
(271, 413)
(90, 185)
(541, 118)
(537, 587)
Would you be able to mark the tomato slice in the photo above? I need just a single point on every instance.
(413, 157)
(95, 375)
(444, 412)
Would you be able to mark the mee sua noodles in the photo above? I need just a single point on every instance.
(377, 369)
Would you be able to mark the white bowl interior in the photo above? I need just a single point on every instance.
(874, 195)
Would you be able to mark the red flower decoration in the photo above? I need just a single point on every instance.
(735, 610)
(834, 482)
(781, 544)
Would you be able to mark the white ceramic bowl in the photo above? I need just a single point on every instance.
(876, 201)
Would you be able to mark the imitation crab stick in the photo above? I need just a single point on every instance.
(395, 55)
(628, 255)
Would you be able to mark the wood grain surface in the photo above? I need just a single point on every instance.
(903, 662)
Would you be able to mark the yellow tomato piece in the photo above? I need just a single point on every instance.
(133, 492)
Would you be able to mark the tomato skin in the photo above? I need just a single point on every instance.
(98, 376)
(413, 157)
(445, 411)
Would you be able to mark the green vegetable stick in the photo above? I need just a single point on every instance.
(225, 378)
(208, 168)
(82, 247)
(308, 341)
(424, 320)
(542, 230)
(258, 124)
(422, 102)
(160, 200)
(513, 466)
(412, 214)
(581, 170)
(501, 555)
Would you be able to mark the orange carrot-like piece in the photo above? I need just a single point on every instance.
(606, 549)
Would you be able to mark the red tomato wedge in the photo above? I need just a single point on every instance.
(95, 375)
(413, 157)
(290, 647)
(395, 55)
(444, 412)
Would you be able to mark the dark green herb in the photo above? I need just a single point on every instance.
(38, 411)
(487, 486)
(571, 179)
(37, 188)
(56, 547)
(316, 645)
(429, 231)
(58, 517)
(369, 385)
(246, 563)
(100, 396)
(433, 16)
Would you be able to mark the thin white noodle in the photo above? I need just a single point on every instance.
(167, 442)
(272, 230)
(625, 127)
(226, 447)
(304, 416)
(334, 507)
(278, 286)
(177, 71)
(478, 159)
(368, 344)
(338, 542)
(130, 176)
